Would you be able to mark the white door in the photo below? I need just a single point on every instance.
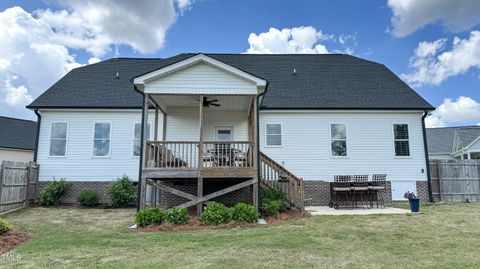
(399, 188)
(223, 133)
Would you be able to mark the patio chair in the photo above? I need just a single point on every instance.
(342, 187)
(360, 188)
(378, 188)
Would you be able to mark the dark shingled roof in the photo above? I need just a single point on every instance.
(17, 133)
(440, 140)
(468, 135)
(322, 81)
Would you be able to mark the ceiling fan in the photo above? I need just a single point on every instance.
(208, 103)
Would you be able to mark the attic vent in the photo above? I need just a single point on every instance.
(294, 71)
(117, 76)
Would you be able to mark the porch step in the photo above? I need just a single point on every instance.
(274, 175)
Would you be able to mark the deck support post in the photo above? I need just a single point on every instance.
(200, 195)
(255, 193)
(143, 180)
(200, 156)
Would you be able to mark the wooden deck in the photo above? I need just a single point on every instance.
(189, 159)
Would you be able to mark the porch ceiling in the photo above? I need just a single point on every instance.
(227, 103)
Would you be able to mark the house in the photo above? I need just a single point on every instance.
(200, 127)
(17, 139)
(461, 142)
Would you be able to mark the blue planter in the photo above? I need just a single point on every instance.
(414, 204)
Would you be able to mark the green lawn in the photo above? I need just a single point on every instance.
(444, 236)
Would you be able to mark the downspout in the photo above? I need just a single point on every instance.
(37, 135)
(427, 159)
(258, 146)
(139, 185)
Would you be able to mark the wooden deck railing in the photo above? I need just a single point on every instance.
(274, 175)
(186, 154)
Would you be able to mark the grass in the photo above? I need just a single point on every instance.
(444, 236)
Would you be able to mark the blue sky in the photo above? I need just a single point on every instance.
(442, 70)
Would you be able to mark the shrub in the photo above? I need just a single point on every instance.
(88, 198)
(53, 192)
(244, 213)
(149, 216)
(121, 192)
(5, 227)
(272, 207)
(215, 213)
(177, 216)
(273, 201)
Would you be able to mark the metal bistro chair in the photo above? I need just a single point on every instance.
(342, 186)
(360, 188)
(378, 188)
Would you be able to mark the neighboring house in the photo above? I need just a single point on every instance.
(315, 115)
(462, 142)
(17, 139)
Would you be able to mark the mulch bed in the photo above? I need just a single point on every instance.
(13, 239)
(195, 224)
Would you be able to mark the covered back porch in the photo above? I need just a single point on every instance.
(204, 127)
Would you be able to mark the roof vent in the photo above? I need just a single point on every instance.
(117, 76)
(294, 71)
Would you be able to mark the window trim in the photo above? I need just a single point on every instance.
(281, 135)
(133, 138)
(109, 140)
(408, 140)
(223, 128)
(50, 140)
(331, 140)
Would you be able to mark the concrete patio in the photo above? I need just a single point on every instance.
(327, 211)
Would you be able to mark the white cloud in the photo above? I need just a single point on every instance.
(288, 40)
(454, 15)
(462, 110)
(36, 48)
(432, 64)
(303, 39)
(16, 95)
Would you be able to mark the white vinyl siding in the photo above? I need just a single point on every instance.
(58, 139)
(101, 139)
(273, 134)
(201, 78)
(401, 141)
(338, 140)
(306, 144)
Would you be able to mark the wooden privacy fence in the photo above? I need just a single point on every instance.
(17, 184)
(455, 180)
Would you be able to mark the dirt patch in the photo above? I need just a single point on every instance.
(195, 224)
(13, 239)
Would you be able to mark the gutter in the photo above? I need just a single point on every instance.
(427, 160)
(258, 145)
(39, 121)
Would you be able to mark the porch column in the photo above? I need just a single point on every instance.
(143, 180)
(200, 156)
(155, 136)
(164, 129)
(256, 148)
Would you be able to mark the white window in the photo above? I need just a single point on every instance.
(137, 136)
(223, 133)
(58, 139)
(101, 140)
(401, 143)
(273, 134)
(338, 139)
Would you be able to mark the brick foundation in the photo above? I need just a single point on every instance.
(317, 193)
(190, 186)
(164, 199)
(75, 187)
(422, 191)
